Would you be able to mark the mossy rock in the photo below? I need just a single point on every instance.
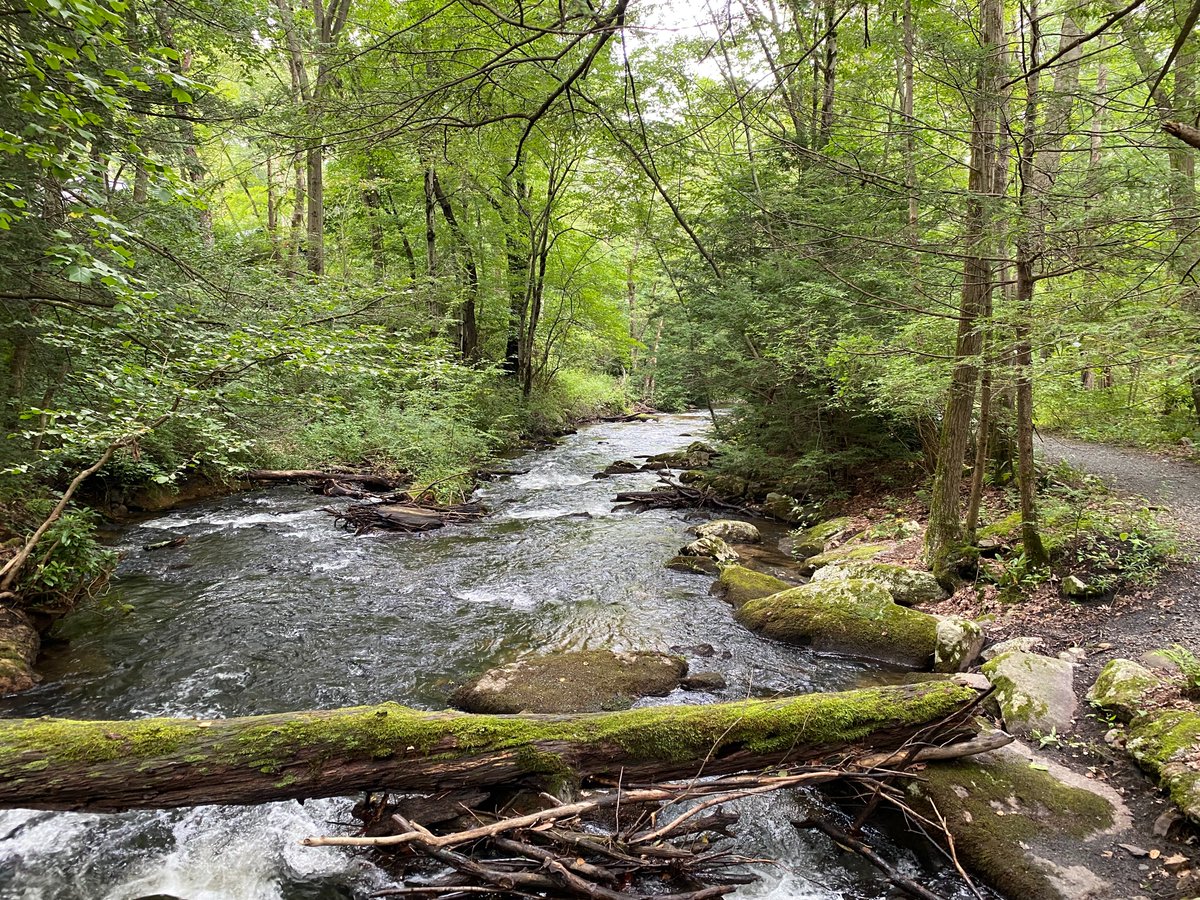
(711, 547)
(844, 554)
(697, 455)
(694, 565)
(848, 616)
(1027, 826)
(1121, 688)
(959, 641)
(739, 585)
(821, 536)
(732, 530)
(19, 646)
(727, 487)
(786, 508)
(572, 682)
(907, 586)
(1167, 744)
(1034, 692)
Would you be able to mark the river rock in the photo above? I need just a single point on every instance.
(1027, 826)
(907, 586)
(848, 616)
(1166, 743)
(731, 530)
(572, 682)
(1121, 688)
(704, 681)
(739, 585)
(844, 554)
(822, 536)
(19, 646)
(712, 547)
(697, 455)
(620, 467)
(1035, 693)
(694, 565)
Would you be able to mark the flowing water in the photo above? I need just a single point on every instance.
(269, 607)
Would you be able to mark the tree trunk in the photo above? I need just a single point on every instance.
(165, 763)
(468, 328)
(944, 536)
(910, 131)
(829, 71)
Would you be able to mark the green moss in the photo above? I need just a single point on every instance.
(907, 586)
(997, 810)
(297, 745)
(856, 552)
(812, 541)
(739, 585)
(1167, 744)
(846, 616)
(1121, 687)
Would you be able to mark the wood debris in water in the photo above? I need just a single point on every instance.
(404, 513)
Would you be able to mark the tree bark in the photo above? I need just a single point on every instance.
(468, 344)
(165, 763)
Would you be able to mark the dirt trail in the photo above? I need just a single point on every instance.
(1161, 479)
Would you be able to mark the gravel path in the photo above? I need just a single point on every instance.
(1160, 479)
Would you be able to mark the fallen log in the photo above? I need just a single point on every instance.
(372, 480)
(164, 763)
(405, 514)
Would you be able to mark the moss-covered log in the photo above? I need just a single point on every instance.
(161, 763)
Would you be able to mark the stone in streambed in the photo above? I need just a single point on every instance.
(19, 646)
(572, 682)
(848, 616)
(731, 530)
(704, 681)
(1035, 693)
(694, 565)
(712, 547)
(620, 467)
(739, 585)
(908, 587)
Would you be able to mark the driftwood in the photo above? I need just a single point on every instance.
(672, 494)
(371, 481)
(163, 763)
(165, 545)
(402, 513)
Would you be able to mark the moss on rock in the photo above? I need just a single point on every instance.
(959, 641)
(739, 585)
(1121, 687)
(846, 616)
(1167, 744)
(694, 565)
(845, 554)
(1034, 692)
(821, 536)
(907, 586)
(732, 530)
(578, 681)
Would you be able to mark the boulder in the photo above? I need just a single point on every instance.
(704, 681)
(620, 467)
(739, 585)
(697, 455)
(848, 553)
(1035, 693)
(1075, 588)
(694, 565)
(1166, 744)
(848, 616)
(572, 682)
(19, 646)
(1028, 826)
(731, 530)
(1122, 686)
(959, 641)
(907, 586)
(711, 547)
(1026, 644)
(822, 536)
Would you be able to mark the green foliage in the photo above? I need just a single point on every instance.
(69, 564)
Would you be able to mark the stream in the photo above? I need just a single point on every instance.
(269, 607)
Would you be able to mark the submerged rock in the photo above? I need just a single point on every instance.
(907, 586)
(572, 682)
(694, 565)
(1121, 688)
(822, 536)
(844, 554)
(19, 646)
(1009, 812)
(712, 547)
(1035, 693)
(732, 530)
(849, 616)
(739, 585)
